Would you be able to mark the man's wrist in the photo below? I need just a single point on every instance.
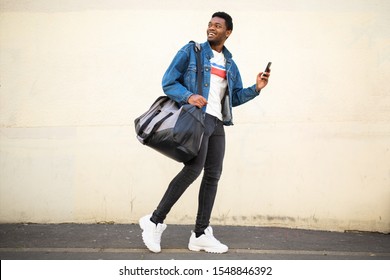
(189, 96)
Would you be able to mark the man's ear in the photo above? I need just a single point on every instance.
(228, 33)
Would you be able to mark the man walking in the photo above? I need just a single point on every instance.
(222, 90)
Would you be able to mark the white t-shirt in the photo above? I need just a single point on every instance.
(218, 84)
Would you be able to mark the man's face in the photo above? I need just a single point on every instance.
(217, 32)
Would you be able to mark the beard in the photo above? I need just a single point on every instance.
(215, 41)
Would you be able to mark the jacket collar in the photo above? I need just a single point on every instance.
(209, 52)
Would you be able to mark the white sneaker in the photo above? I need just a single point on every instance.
(206, 242)
(151, 234)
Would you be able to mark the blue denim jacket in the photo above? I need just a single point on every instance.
(179, 81)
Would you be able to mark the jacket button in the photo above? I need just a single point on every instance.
(206, 85)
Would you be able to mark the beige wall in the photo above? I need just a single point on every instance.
(313, 151)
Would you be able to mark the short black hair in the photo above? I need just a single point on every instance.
(228, 19)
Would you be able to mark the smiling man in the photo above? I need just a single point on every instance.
(222, 90)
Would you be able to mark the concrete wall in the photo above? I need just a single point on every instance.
(313, 151)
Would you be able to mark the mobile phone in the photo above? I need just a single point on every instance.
(268, 67)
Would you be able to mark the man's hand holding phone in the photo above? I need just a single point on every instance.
(262, 78)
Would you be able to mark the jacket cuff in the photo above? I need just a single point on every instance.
(255, 90)
(187, 96)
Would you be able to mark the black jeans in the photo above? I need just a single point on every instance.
(210, 158)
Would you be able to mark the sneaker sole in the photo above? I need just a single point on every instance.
(208, 250)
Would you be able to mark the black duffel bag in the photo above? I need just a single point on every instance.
(174, 131)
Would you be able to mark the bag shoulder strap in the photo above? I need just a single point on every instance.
(199, 79)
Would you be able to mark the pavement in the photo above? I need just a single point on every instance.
(124, 242)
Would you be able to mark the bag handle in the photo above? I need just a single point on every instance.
(156, 126)
(161, 100)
